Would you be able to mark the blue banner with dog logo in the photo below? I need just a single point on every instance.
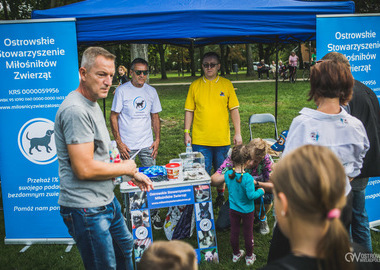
(39, 67)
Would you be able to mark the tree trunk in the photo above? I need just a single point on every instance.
(139, 51)
(192, 64)
(261, 52)
(161, 51)
(222, 59)
(300, 57)
(53, 3)
(5, 8)
(250, 71)
(228, 70)
(201, 53)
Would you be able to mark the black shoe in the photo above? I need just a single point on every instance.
(219, 201)
(157, 223)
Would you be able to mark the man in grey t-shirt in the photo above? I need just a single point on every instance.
(89, 208)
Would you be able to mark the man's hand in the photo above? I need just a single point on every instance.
(142, 181)
(187, 139)
(124, 150)
(155, 148)
(238, 139)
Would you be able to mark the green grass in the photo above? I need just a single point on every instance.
(255, 97)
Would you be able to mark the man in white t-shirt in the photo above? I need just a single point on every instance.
(134, 111)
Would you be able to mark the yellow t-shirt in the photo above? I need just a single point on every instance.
(211, 102)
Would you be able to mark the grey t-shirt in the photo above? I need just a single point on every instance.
(78, 121)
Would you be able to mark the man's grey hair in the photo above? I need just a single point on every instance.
(90, 54)
(337, 57)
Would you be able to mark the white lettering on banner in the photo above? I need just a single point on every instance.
(171, 201)
(32, 54)
(30, 64)
(366, 34)
(32, 75)
(29, 42)
(372, 196)
(374, 182)
(353, 47)
(365, 68)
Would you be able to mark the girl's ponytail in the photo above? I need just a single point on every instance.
(335, 244)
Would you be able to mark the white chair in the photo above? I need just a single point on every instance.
(262, 118)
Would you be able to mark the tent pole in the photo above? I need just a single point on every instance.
(276, 95)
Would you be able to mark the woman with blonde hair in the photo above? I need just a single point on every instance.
(309, 195)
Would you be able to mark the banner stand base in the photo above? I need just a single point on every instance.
(32, 241)
(24, 249)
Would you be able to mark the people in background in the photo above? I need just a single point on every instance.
(210, 101)
(313, 59)
(122, 74)
(273, 69)
(293, 63)
(87, 202)
(262, 68)
(242, 193)
(169, 255)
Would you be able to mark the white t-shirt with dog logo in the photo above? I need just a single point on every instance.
(135, 106)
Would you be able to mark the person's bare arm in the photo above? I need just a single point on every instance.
(86, 168)
(217, 179)
(157, 133)
(123, 148)
(235, 116)
(188, 121)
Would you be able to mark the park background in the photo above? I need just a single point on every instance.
(172, 70)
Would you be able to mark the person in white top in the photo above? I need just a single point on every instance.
(293, 63)
(331, 126)
(134, 111)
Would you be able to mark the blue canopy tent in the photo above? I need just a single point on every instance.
(196, 22)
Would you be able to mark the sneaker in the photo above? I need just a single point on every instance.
(249, 260)
(219, 201)
(236, 258)
(157, 222)
(264, 228)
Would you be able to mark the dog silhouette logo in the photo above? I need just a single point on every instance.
(139, 103)
(43, 141)
(36, 141)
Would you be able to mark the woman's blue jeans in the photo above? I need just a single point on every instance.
(101, 235)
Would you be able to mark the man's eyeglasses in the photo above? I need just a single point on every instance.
(138, 72)
(209, 65)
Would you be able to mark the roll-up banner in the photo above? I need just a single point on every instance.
(357, 36)
(39, 67)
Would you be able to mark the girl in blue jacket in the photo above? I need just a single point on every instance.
(242, 194)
